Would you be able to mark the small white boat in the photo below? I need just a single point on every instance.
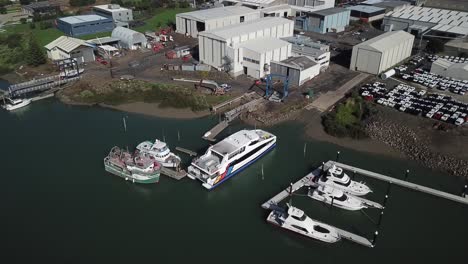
(160, 152)
(337, 198)
(13, 104)
(336, 178)
(297, 221)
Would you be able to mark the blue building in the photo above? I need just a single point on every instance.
(323, 21)
(84, 25)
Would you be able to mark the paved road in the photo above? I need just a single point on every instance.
(328, 99)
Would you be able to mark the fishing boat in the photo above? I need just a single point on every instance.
(161, 153)
(13, 104)
(230, 156)
(336, 178)
(140, 167)
(295, 220)
(336, 197)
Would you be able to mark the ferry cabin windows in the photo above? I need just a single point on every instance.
(232, 155)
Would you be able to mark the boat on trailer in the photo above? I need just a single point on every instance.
(161, 152)
(140, 167)
(230, 156)
(295, 220)
(336, 178)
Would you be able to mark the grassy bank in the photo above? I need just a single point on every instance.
(161, 18)
(348, 118)
(122, 92)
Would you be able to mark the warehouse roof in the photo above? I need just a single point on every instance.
(330, 11)
(443, 63)
(387, 40)
(392, 4)
(112, 8)
(102, 41)
(275, 8)
(126, 34)
(442, 19)
(300, 63)
(247, 27)
(218, 12)
(366, 8)
(458, 43)
(66, 44)
(82, 19)
(253, 2)
(262, 45)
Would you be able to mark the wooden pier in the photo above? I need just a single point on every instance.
(212, 133)
(186, 151)
(174, 174)
(402, 183)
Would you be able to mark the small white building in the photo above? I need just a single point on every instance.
(129, 39)
(298, 69)
(305, 46)
(234, 48)
(116, 12)
(192, 23)
(449, 69)
(382, 52)
(67, 47)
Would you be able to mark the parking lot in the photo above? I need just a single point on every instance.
(417, 70)
(408, 99)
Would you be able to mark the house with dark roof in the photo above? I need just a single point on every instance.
(41, 8)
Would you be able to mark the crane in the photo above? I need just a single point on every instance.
(269, 84)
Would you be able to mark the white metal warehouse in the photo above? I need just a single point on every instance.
(192, 23)
(236, 49)
(129, 39)
(449, 69)
(382, 52)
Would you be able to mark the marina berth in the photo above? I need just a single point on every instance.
(337, 198)
(336, 178)
(295, 220)
(160, 152)
(230, 156)
(140, 167)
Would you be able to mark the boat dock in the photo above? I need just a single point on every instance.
(174, 174)
(44, 96)
(186, 151)
(308, 181)
(406, 184)
(232, 101)
(249, 106)
(212, 133)
(37, 85)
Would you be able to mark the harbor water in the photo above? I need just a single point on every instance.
(59, 205)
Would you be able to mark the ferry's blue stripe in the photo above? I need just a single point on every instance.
(243, 167)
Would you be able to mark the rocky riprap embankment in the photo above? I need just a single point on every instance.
(405, 140)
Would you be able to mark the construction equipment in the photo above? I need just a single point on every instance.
(269, 84)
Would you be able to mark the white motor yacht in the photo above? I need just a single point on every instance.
(336, 178)
(297, 221)
(336, 197)
(230, 156)
(13, 104)
(161, 153)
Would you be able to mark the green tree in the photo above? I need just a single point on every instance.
(23, 20)
(184, 4)
(3, 10)
(25, 2)
(32, 25)
(34, 56)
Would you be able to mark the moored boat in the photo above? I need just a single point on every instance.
(140, 167)
(13, 104)
(336, 178)
(230, 156)
(161, 152)
(295, 220)
(336, 197)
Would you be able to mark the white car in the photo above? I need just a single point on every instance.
(459, 121)
(445, 117)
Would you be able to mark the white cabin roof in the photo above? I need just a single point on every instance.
(295, 211)
(235, 142)
(158, 144)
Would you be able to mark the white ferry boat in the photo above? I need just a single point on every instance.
(337, 198)
(161, 153)
(336, 178)
(297, 221)
(13, 104)
(230, 156)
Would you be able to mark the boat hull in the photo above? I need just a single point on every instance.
(25, 103)
(144, 180)
(231, 171)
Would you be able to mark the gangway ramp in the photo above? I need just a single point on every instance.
(212, 133)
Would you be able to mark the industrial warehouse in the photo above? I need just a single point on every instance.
(192, 23)
(84, 25)
(246, 48)
(380, 53)
(324, 21)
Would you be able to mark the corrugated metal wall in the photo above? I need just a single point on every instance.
(294, 74)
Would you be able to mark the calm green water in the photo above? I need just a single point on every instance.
(58, 204)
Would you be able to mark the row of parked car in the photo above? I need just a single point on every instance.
(407, 99)
(432, 80)
(453, 59)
